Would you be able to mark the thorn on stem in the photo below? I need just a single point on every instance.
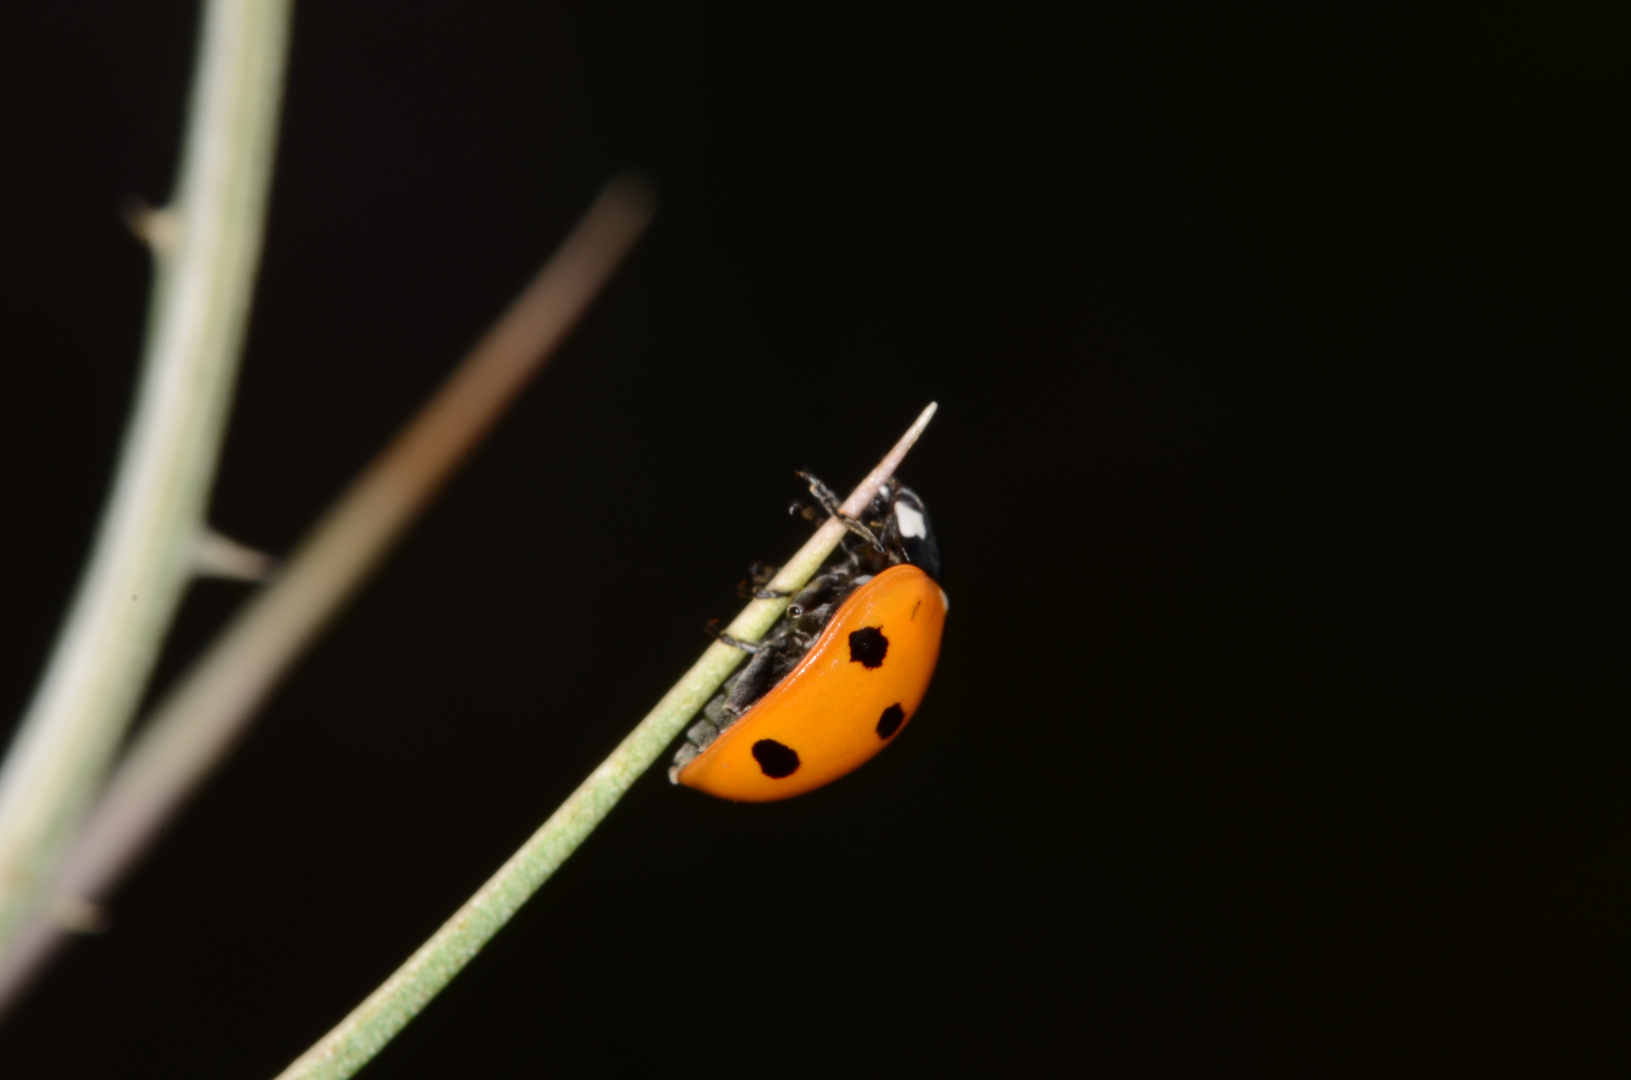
(159, 229)
(74, 915)
(220, 556)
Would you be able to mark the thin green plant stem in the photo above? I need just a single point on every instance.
(195, 725)
(369, 1027)
(206, 247)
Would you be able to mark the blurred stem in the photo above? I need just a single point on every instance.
(206, 246)
(195, 725)
(388, 1009)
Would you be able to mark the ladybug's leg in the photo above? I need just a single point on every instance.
(762, 671)
(823, 494)
(734, 642)
(829, 503)
(760, 575)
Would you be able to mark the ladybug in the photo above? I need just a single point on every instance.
(843, 671)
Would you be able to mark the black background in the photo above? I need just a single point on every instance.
(1281, 722)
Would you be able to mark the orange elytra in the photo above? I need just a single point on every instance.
(838, 679)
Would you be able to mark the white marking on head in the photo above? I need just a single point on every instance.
(945, 601)
(911, 521)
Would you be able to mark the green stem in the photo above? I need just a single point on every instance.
(388, 1009)
(206, 246)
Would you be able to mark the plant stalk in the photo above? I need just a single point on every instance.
(361, 1035)
(206, 247)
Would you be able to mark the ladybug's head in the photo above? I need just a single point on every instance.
(904, 528)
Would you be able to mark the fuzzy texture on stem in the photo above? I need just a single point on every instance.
(206, 257)
(361, 1035)
(196, 724)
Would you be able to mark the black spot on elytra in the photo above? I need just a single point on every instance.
(867, 646)
(776, 760)
(891, 720)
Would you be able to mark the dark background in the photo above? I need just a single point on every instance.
(1281, 722)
